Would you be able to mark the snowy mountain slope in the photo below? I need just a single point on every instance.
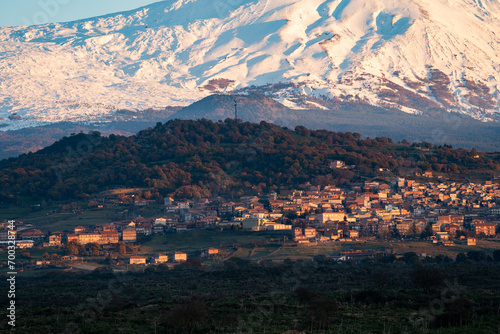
(411, 54)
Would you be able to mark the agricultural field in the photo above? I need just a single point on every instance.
(201, 240)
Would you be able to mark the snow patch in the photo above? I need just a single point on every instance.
(164, 54)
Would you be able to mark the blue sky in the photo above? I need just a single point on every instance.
(28, 12)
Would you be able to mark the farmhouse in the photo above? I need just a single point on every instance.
(180, 256)
(137, 260)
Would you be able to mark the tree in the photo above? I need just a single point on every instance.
(188, 315)
(322, 310)
(25, 254)
(410, 257)
(427, 232)
(477, 256)
(428, 278)
(496, 255)
(122, 249)
(413, 229)
(303, 294)
(94, 248)
(461, 257)
(72, 248)
(388, 259)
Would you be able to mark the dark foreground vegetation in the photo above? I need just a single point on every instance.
(192, 159)
(237, 296)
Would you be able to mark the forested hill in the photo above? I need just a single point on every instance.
(203, 158)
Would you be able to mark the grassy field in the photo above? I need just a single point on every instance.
(12, 212)
(66, 221)
(242, 240)
(201, 240)
(51, 219)
(330, 249)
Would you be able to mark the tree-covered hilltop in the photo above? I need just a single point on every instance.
(203, 158)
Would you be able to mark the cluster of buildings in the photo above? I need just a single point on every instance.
(398, 207)
(393, 208)
(127, 231)
(164, 258)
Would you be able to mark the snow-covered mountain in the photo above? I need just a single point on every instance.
(414, 55)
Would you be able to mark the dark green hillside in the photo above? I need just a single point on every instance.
(203, 158)
(434, 125)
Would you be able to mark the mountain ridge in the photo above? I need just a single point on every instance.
(390, 54)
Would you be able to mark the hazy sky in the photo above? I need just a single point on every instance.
(28, 12)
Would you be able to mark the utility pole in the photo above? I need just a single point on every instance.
(236, 110)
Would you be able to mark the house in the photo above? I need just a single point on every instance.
(144, 228)
(488, 229)
(181, 227)
(258, 213)
(183, 205)
(129, 235)
(55, 239)
(187, 216)
(180, 256)
(137, 260)
(229, 224)
(404, 227)
(226, 208)
(171, 208)
(161, 224)
(330, 216)
(105, 227)
(253, 224)
(203, 202)
(310, 232)
(211, 220)
(357, 254)
(201, 224)
(42, 263)
(72, 238)
(277, 227)
(452, 228)
(471, 241)
(89, 237)
(442, 236)
(212, 251)
(161, 221)
(79, 229)
(160, 258)
(168, 201)
(34, 235)
(337, 164)
(353, 234)
(124, 224)
(436, 227)
(24, 244)
(109, 237)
